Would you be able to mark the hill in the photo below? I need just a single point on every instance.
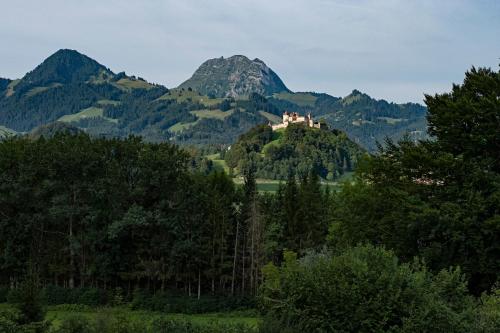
(236, 76)
(294, 150)
(51, 129)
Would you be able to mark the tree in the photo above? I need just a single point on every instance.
(437, 199)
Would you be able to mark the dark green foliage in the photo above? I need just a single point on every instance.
(297, 150)
(11, 321)
(215, 131)
(435, 199)
(169, 303)
(366, 289)
(28, 300)
(52, 129)
(55, 295)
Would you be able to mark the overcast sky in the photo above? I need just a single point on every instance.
(396, 50)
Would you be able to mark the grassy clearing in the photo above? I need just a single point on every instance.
(5, 131)
(276, 140)
(272, 185)
(10, 88)
(217, 114)
(108, 102)
(91, 112)
(179, 127)
(219, 163)
(183, 95)
(271, 117)
(301, 99)
(133, 84)
(37, 90)
(391, 121)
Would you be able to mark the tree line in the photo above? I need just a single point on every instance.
(108, 213)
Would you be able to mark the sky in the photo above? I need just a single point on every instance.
(390, 49)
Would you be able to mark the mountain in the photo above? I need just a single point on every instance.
(224, 99)
(296, 149)
(235, 76)
(64, 67)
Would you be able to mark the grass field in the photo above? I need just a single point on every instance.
(108, 102)
(179, 127)
(4, 131)
(219, 164)
(272, 185)
(91, 112)
(56, 314)
(271, 117)
(10, 88)
(37, 90)
(301, 99)
(133, 84)
(391, 121)
(276, 140)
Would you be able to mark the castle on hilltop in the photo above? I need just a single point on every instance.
(295, 118)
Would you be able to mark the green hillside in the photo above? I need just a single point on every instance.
(295, 150)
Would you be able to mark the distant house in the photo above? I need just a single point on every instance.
(295, 118)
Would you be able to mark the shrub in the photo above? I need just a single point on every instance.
(366, 289)
(74, 324)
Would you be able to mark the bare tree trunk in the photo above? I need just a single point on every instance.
(199, 284)
(71, 281)
(235, 256)
(243, 266)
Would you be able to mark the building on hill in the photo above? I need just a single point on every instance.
(295, 118)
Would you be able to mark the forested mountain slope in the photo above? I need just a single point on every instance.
(223, 99)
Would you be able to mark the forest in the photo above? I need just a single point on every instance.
(296, 150)
(411, 244)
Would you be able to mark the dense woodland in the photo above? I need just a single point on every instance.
(294, 150)
(123, 213)
(137, 218)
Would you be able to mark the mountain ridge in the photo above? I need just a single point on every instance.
(71, 87)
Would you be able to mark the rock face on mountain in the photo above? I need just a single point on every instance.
(235, 76)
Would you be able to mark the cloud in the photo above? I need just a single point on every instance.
(391, 49)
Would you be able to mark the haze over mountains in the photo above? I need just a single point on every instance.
(224, 98)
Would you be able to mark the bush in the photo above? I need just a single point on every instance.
(74, 324)
(366, 289)
(180, 326)
(117, 322)
(11, 321)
